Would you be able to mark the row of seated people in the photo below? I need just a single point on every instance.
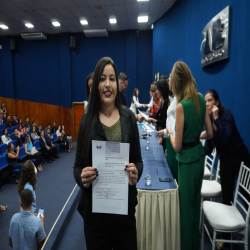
(48, 144)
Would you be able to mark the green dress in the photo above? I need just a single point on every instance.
(190, 173)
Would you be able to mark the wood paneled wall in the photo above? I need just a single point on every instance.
(40, 113)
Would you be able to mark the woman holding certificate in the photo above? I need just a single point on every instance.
(106, 119)
(191, 116)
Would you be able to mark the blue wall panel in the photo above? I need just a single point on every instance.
(177, 35)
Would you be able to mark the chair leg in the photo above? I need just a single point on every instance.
(231, 241)
(201, 213)
(202, 232)
(214, 240)
(246, 238)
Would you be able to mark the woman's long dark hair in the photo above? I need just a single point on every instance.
(9, 148)
(134, 94)
(216, 97)
(90, 76)
(162, 86)
(91, 116)
(27, 175)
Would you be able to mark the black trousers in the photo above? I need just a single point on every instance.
(229, 170)
(111, 236)
(51, 152)
(37, 156)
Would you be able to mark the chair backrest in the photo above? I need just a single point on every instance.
(9, 130)
(209, 162)
(22, 152)
(3, 161)
(2, 126)
(55, 137)
(1, 131)
(217, 178)
(3, 148)
(37, 144)
(13, 128)
(12, 135)
(243, 183)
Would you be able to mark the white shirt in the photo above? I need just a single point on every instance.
(135, 104)
(171, 117)
(6, 139)
(150, 105)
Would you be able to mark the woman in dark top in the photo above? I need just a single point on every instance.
(12, 158)
(107, 120)
(229, 146)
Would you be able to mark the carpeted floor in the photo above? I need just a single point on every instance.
(54, 185)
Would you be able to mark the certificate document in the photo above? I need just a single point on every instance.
(110, 189)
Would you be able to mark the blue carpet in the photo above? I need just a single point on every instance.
(54, 185)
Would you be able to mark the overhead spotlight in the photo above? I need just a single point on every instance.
(112, 20)
(29, 25)
(84, 22)
(56, 24)
(142, 19)
(142, 0)
(152, 26)
(4, 27)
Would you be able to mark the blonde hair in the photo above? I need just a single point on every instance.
(184, 85)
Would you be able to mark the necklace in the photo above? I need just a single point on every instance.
(107, 115)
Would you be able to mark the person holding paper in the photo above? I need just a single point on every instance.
(107, 120)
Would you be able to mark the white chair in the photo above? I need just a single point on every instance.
(211, 189)
(229, 219)
(209, 165)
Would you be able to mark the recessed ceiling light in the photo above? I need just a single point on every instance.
(4, 27)
(29, 25)
(84, 22)
(142, 19)
(112, 20)
(56, 24)
(152, 26)
(142, 0)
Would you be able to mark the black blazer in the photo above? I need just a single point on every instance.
(130, 135)
(42, 144)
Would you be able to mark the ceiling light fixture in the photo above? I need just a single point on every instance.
(56, 24)
(152, 26)
(112, 20)
(142, 19)
(84, 22)
(4, 27)
(142, 0)
(29, 25)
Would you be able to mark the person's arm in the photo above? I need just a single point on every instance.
(150, 105)
(137, 104)
(225, 127)
(177, 141)
(208, 134)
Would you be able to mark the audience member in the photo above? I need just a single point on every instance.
(13, 157)
(135, 104)
(230, 148)
(69, 138)
(8, 122)
(18, 137)
(53, 128)
(15, 121)
(5, 136)
(62, 137)
(26, 230)
(3, 109)
(20, 123)
(88, 85)
(28, 181)
(40, 128)
(49, 139)
(45, 148)
(4, 119)
(27, 132)
(191, 115)
(123, 85)
(27, 123)
(122, 228)
(32, 153)
(34, 135)
(34, 125)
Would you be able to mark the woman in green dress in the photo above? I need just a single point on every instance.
(191, 115)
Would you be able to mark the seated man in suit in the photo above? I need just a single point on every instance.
(18, 138)
(8, 122)
(46, 148)
(15, 121)
(50, 142)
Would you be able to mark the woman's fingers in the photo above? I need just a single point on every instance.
(88, 175)
(133, 173)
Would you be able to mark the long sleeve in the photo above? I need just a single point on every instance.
(209, 146)
(5, 139)
(150, 105)
(136, 102)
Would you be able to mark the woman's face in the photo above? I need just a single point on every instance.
(59, 127)
(108, 86)
(5, 131)
(90, 84)
(12, 146)
(137, 92)
(159, 95)
(20, 127)
(63, 127)
(210, 102)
